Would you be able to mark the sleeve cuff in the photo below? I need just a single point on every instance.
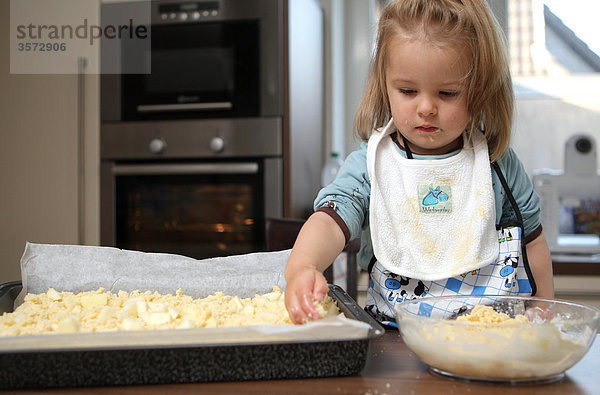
(533, 235)
(329, 210)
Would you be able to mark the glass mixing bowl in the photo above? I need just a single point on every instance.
(538, 340)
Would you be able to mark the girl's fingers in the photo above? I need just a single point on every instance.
(301, 309)
(307, 304)
(320, 290)
(297, 310)
(302, 294)
(293, 308)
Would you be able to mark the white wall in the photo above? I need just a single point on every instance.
(543, 123)
(306, 101)
(39, 159)
(350, 28)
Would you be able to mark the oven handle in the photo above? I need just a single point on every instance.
(200, 168)
(184, 107)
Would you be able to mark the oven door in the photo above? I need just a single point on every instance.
(197, 70)
(201, 209)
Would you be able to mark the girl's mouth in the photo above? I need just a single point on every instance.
(427, 128)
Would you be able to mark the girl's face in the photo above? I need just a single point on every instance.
(426, 90)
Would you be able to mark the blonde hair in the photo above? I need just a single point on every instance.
(468, 23)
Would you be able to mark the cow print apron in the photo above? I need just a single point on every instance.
(508, 275)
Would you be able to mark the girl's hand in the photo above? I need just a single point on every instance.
(319, 242)
(539, 311)
(306, 286)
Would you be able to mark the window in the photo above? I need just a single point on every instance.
(554, 51)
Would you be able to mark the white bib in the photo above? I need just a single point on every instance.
(431, 219)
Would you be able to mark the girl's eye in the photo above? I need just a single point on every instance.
(449, 93)
(408, 91)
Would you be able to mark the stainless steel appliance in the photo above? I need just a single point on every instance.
(208, 59)
(197, 153)
(570, 200)
(200, 188)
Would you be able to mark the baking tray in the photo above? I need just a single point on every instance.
(160, 364)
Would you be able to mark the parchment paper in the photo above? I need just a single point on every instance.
(77, 268)
(85, 268)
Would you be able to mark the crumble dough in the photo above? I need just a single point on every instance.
(65, 312)
(486, 344)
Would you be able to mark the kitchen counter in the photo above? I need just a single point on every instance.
(574, 267)
(391, 369)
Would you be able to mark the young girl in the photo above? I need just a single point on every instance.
(443, 206)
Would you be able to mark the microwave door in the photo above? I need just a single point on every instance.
(201, 70)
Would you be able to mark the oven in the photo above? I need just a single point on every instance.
(200, 188)
(196, 129)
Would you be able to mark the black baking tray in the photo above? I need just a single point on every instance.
(104, 366)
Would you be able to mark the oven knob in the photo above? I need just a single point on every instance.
(217, 144)
(157, 145)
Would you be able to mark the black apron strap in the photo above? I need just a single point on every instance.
(515, 207)
(409, 154)
(371, 264)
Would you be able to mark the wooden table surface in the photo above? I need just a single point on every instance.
(391, 369)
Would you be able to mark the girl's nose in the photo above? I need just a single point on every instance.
(426, 107)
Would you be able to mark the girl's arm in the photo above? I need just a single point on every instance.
(319, 242)
(540, 264)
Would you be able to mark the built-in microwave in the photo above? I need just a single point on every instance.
(206, 59)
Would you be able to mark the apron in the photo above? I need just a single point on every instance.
(425, 212)
(509, 274)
